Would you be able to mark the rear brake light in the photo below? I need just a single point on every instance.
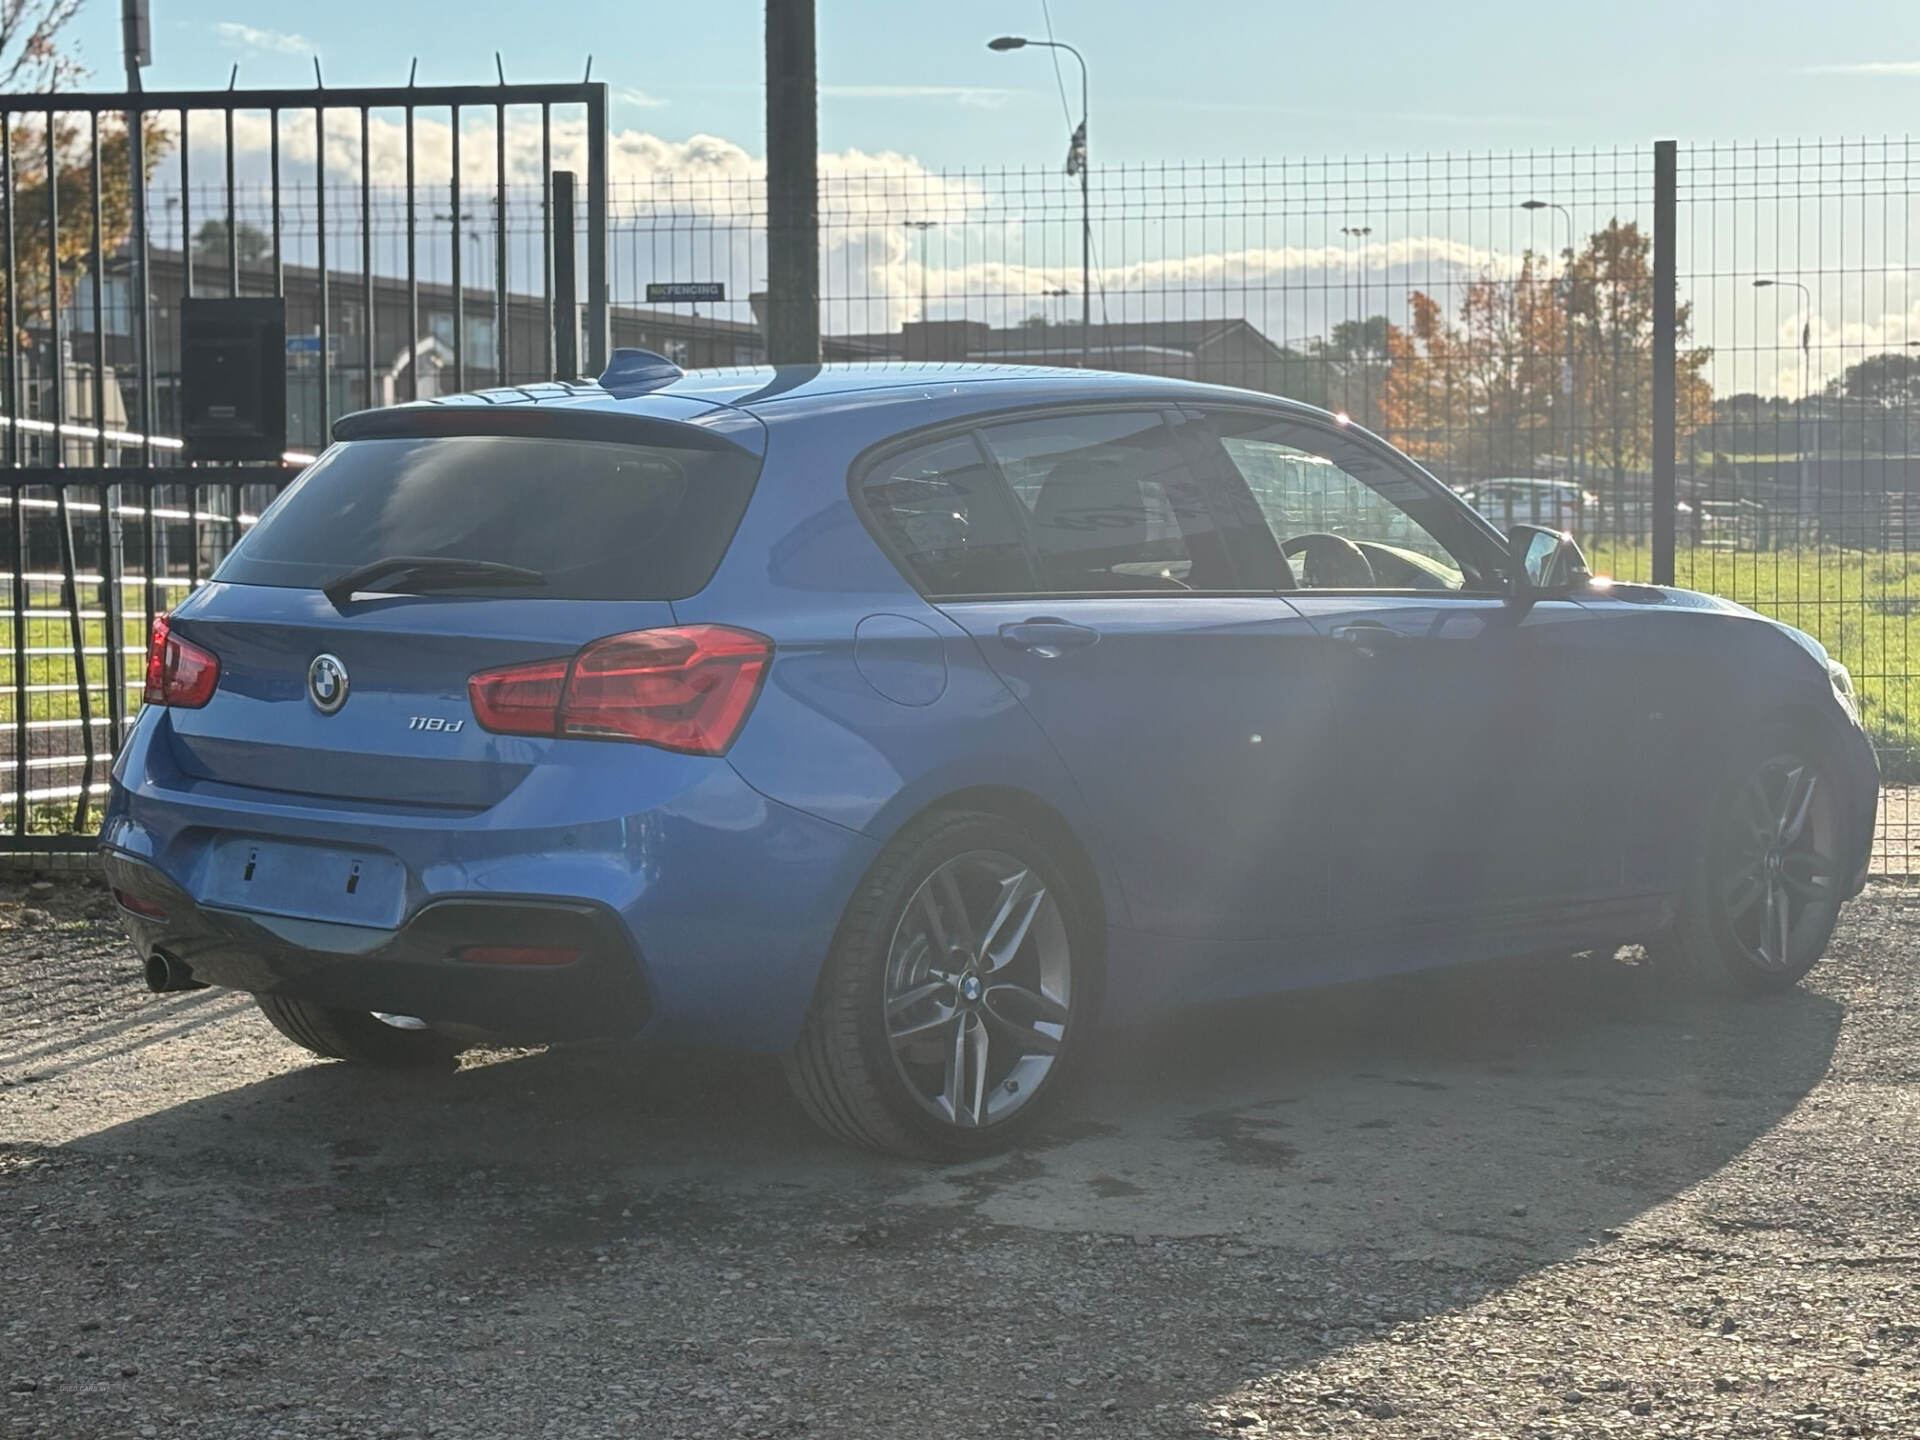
(516, 955)
(179, 672)
(687, 688)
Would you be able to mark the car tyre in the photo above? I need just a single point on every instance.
(1766, 887)
(357, 1035)
(957, 995)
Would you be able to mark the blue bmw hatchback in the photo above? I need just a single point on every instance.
(903, 720)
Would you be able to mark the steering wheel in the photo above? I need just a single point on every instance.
(1329, 562)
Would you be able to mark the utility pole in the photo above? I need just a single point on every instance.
(137, 42)
(793, 185)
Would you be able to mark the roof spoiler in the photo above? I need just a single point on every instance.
(734, 430)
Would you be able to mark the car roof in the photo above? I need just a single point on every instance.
(766, 390)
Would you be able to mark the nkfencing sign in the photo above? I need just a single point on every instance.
(686, 290)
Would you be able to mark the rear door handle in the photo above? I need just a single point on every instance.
(1047, 637)
(1369, 638)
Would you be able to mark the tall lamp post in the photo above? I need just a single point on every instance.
(1570, 381)
(1358, 234)
(1076, 165)
(1806, 382)
(922, 226)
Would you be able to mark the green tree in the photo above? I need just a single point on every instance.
(252, 243)
(1889, 378)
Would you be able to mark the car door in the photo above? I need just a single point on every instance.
(1115, 613)
(1473, 770)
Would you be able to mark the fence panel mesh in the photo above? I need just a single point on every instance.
(1491, 313)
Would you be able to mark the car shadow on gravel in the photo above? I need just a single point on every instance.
(1513, 1107)
(1280, 1178)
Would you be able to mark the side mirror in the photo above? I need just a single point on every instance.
(1543, 563)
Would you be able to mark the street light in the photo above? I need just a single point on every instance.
(1806, 382)
(1360, 233)
(1076, 165)
(1571, 380)
(922, 226)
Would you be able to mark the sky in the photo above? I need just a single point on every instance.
(1206, 79)
(909, 90)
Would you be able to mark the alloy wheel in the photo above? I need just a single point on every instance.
(979, 988)
(1781, 876)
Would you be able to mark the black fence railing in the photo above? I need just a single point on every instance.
(95, 555)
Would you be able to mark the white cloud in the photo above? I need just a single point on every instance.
(979, 97)
(1867, 67)
(640, 98)
(272, 42)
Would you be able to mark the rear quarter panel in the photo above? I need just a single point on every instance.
(804, 570)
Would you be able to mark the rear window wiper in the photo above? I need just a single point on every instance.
(400, 573)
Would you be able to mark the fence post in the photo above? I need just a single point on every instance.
(566, 294)
(599, 334)
(793, 186)
(1666, 186)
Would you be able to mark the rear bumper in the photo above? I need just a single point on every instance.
(410, 970)
(706, 908)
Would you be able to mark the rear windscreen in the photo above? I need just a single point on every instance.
(600, 520)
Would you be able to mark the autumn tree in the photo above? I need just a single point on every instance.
(1482, 392)
(50, 183)
(1479, 393)
(30, 55)
(1613, 346)
(1421, 405)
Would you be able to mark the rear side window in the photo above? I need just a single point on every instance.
(600, 520)
(943, 510)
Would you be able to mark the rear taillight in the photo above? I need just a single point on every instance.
(179, 672)
(687, 688)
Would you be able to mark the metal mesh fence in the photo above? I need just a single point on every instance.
(1800, 464)
(1493, 314)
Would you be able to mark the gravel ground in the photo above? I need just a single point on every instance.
(1542, 1199)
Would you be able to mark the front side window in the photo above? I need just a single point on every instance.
(1109, 504)
(1344, 518)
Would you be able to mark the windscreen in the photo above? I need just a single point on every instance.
(600, 520)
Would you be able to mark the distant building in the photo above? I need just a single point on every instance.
(415, 348)
(443, 359)
(1222, 351)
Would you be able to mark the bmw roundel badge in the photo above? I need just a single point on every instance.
(327, 684)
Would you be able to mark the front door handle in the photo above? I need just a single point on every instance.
(1370, 638)
(1046, 636)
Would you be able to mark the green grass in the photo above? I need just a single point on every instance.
(50, 628)
(1864, 606)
